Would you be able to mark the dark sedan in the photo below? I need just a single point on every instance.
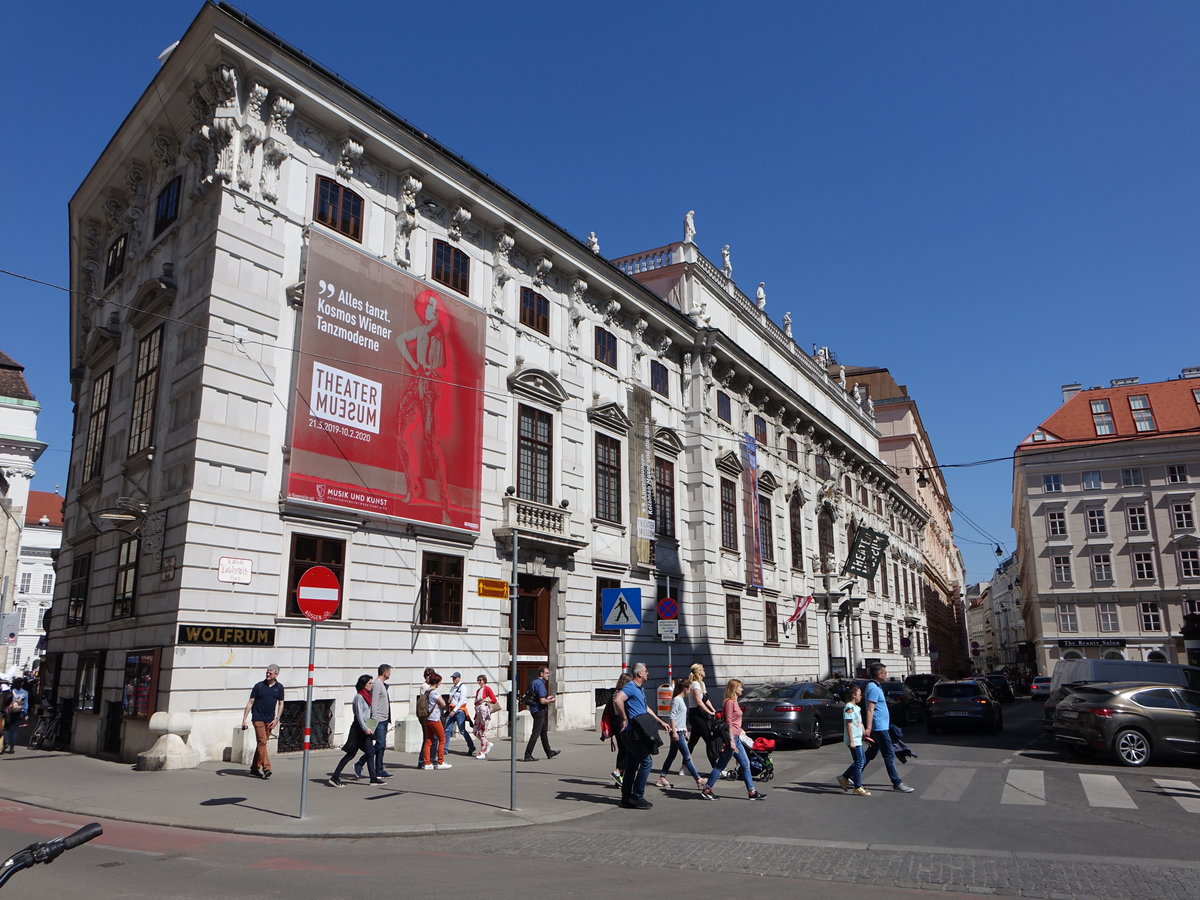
(962, 703)
(801, 711)
(1134, 721)
(904, 706)
(1001, 688)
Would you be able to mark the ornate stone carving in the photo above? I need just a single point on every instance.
(575, 311)
(541, 268)
(406, 218)
(275, 148)
(726, 265)
(90, 264)
(760, 295)
(163, 151)
(593, 243)
(699, 313)
(639, 334)
(787, 324)
(252, 136)
(612, 311)
(349, 156)
(458, 218)
(502, 270)
(689, 226)
(662, 344)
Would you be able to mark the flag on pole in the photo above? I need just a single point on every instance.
(801, 608)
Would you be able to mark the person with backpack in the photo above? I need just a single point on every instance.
(14, 706)
(432, 703)
(610, 729)
(537, 700)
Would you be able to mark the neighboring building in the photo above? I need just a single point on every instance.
(1006, 647)
(40, 541)
(1104, 506)
(936, 604)
(303, 333)
(978, 621)
(19, 450)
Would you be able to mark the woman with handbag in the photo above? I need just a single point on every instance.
(361, 738)
(485, 704)
(700, 716)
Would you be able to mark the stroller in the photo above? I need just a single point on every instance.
(762, 767)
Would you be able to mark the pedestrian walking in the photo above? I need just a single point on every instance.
(456, 713)
(263, 710)
(679, 745)
(435, 733)
(381, 712)
(852, 734)
(639, 732)
(485, 698)
(877, 731)
(360, 737)
(610, 729)
(538, 701)
(732, 713)
(15, 708)
(701, 713)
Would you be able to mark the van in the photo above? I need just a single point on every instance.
(1070, 671)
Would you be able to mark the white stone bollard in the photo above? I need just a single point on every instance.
(169, 751)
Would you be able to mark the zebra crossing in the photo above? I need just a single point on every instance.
(1014, 786)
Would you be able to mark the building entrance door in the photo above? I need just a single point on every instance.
(533, 628)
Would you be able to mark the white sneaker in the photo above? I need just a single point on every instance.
(481, 756)
(443, 766)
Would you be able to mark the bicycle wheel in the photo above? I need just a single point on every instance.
(50, 739)
(39, 735)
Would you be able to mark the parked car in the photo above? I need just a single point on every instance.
(1039, 688)
(1001, 688)
(1089, 671)
(922, 684)
(953, 703)
(1051, 705)
(803, 711)
(1134, 721)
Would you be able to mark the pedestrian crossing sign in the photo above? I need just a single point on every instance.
(621, 608)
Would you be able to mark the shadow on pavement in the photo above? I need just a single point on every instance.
(241, 803)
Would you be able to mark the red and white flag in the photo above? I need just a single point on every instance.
(801, 608)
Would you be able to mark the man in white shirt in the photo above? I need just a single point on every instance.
(456, 716)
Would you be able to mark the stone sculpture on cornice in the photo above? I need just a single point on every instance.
(575, 311)
(760, 295)
(459, 217)
(699, 313)
(349, 156)
(662, 345)
(253, 133)
(541, 269)
(841, 376)
(593, 242)
(787, 324)
(726, 265)
(689, 226)
(502, 272)
(275, 148)
(639, 334)
(406, 219)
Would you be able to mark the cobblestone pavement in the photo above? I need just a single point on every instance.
(984, 871)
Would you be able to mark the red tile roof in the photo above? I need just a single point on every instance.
(43, 503)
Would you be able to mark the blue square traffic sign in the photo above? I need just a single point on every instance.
(621, 608)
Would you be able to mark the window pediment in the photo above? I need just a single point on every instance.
(610, 416)
(538, 385)
(667, 442)
(767, 483)
(154, 296)
(730, 463)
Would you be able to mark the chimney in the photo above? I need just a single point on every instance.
(1070, 390)
(1190, 372)
(1123, 382)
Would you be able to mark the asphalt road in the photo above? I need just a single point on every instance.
(1005, 815)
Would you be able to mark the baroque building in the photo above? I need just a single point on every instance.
(40, 540)
(305, 334)
(1104, 494)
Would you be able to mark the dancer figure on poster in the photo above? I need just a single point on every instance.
(423, 348)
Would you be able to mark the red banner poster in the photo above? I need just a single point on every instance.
(387, 406)
(754, 569)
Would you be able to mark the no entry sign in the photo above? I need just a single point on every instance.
(318, 593)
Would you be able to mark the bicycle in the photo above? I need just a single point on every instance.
(46, 731)
(47, 852)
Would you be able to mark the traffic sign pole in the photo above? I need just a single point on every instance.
(312, 656)
(318, 594)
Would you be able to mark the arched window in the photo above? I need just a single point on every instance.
(1072, 654)
(1156, 656)
(1114, 654)
(825, 539)
(796, 530)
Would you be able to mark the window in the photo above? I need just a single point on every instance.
(166, 210)
(1101, 567)
(1132, 478)
(26, 581)
(1143, 417)
(534, 453)
(441, 589)
(145, 392)
(93, 451)
(1039, 435)
(310, 550)
(660, 381)
(760, 431)
(125, 591)
(890, 645)
(1096, 522)
(77, 593)
(1091, 481)
(724, 412)
(608, 478)
(1189, 565)
(340, 209)
(606, 347)
(770, 622)
(728, 514)
(1068, 619)
(793, 454)
(1177, 474)
(1107, 613)
(766, 533)
(1102, 417)
(823, 471)
(1136, 516)
(140, 684)
(883, 577)
(452, 267)
(1181, 515)
(733, 617)
(1056, 523)
(1151, 615)
(1143, 566)
(825, 540)
(1062, 569)
(602, 585)
(664, 498)
(796, 530)
(114, 264)
(802, 631)
(874, 634)
(87, 682)
(47, 584)
(1052, 484)
(535, 310)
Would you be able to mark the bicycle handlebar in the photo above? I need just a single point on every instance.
(82, 836)
(47, 852)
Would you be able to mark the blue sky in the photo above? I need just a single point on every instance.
(992, 199)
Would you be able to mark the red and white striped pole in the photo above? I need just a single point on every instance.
(312, 656)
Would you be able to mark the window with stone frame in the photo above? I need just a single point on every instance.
(1177, 474)
(1061, 566)
(114, 263)
(793, 452)
(1151, 615)
(602, 585)
(441, 589)
(733, 617)
(88, 680)
(1182, 517)
(308, 550)
(1108, 617)
(1132, 478)
(1052, 484)
(1101, 567)
(1092, 481)
(1068, 617)
(724, 407)
(760, 431)
(729, 536)
(166, 208)
(874, 634)
(1143, 566)
(1056, 523)
(608, 478)
(1136, 517)
(802, 630)
(770, 622)
(664, 498)
(766, 528)
(535, 310)
(606, 347)
(145, 392)
(535, 454)
(97, 428)
(660, 378)
(796, 530)
(77, 590)
(336, 206)
(1097, 523)
(125, 585)
(824, 472)
(451, 267)
(888, 629)
(1189, 564)
(25, 583)
(883, 577)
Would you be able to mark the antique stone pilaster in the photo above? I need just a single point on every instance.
(348, 157)
(458, 218)
(275, 148)
(502, 270)
(541, 268)
(253, 134)
(406, 219)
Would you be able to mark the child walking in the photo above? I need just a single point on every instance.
(851, 780)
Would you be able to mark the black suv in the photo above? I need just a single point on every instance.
(1001, 688)
(962, 703)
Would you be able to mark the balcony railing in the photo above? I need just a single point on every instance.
(538, 522)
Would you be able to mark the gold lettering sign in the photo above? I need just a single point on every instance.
(226, 636)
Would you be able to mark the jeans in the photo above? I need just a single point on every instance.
(735, 748)
(10, 733)
(459, 720)
(638, 763)
(262, 732)
(539, 730)
(367, 749)
(435, 737)
(883, 744)
(679, 745)
(858, 757)
(381, 730)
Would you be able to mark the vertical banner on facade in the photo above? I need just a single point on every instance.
(641, 474)
(387, 406)
(754, 571)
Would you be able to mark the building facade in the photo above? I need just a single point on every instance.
(307, 334)
(1104, 494)
(40, 540)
